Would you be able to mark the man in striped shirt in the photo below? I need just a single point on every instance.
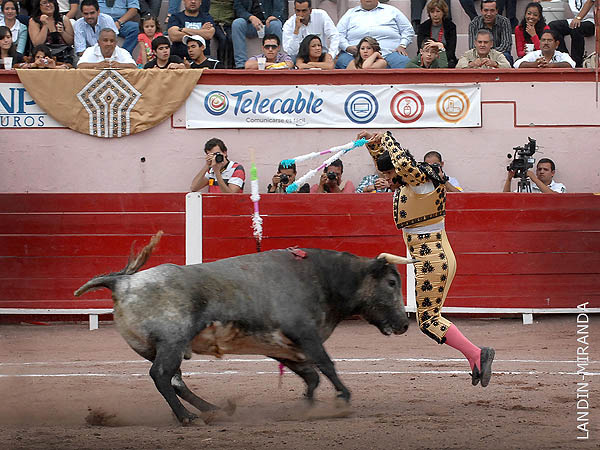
(219, 174)
(498, 25)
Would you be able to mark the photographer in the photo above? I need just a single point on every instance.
(218, 173)
(542, 179)
(331, 180)
(283, 178)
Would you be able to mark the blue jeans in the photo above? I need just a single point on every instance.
(240, 29)
(129, 31)
(395, 60)
(174, 6)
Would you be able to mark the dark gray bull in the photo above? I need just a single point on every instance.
(275, 303)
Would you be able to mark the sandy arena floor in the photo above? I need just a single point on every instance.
(64, 387)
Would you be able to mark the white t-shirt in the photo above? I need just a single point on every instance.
(556, 187)
(533, 56)
(94, 55)
(576, 6)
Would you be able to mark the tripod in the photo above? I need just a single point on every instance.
(524, 185)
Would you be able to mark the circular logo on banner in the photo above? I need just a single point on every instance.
(361, 107)
(407, 106)
(216, 103)
(453, 105)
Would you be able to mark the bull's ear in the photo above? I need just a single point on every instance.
(378, 267)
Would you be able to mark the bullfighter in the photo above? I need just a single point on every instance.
(419, 210)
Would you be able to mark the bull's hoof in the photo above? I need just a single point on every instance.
(187, 419)
(344, 396)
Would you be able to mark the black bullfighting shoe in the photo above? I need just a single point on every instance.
(485, 373)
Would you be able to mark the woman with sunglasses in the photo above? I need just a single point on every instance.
(46, 26)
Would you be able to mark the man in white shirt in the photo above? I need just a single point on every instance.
(105, 54)
(543, 182)
(579, 28)
(547, 56)
(392, 30)
(87, 28)
(309, 21)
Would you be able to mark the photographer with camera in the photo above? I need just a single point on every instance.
(543, 182)
(219, 174)
(331, 180)
(283, 178)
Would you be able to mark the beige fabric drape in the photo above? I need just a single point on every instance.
(109, 103)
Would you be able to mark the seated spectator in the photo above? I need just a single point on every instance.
(309, 21)
(498, 25)
(218, 173)
(106, 54)
(431, 56)
(68, 9)
(416, 11)
(46, 26)
(331, 180)
(579, 28)
(373, 183)
(10, 9)
(191, 21)
(435, 158)
(42, 59)
(483, 56)
(149, 30)
(368, 56)
(124, 13)
(150, 7)
(223, 15)
(161, 46)
(469, 7)
(275, 58)
(255, 19)
(198, 60)
(543, 179)
(439, 27)
(548, 56)
(8, 48)
(283, 178)
(385, 23)
(529, 31)
(87, 28)
(311, 54)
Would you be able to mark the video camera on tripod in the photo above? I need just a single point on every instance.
(523, 161)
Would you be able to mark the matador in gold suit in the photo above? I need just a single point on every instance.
(419, 210)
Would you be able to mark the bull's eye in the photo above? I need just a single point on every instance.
(392, 283)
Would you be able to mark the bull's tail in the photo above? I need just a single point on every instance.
(134, 264)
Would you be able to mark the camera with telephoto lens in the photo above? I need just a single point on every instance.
(219, 157)
(523, 159)
(283, 178)
(332, 176)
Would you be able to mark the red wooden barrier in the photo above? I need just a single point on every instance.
(50, 244)
(513, 250)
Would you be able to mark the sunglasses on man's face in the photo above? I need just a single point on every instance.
(270, 46)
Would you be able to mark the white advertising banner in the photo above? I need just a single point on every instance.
(334, 106)
(19, 110)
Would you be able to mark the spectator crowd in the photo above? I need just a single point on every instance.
(373, 35)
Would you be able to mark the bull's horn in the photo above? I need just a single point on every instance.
(395, 259)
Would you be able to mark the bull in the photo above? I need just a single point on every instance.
(282, 304)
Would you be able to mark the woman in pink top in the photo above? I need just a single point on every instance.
(530, 29)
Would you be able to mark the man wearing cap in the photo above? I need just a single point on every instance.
(189, 22)
(106, 54)
(198, 60)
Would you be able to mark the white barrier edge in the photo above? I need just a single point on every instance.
(193, 228)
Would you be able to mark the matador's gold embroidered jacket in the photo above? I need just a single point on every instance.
(410, 208)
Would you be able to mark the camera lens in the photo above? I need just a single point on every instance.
(284, 179)
(219, 157)
(331, 175)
